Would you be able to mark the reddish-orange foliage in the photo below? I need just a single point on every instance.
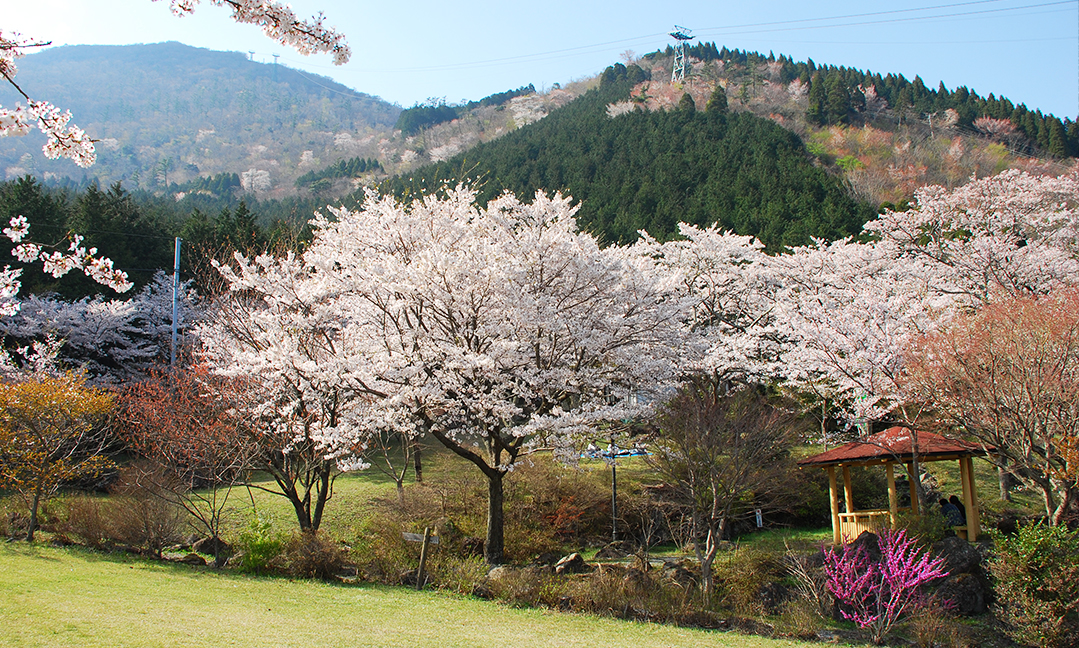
(1008, 376)
(185, 420)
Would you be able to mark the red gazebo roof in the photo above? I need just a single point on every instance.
(894, 444)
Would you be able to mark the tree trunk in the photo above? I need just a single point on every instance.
(494, 548)
(35, 503)
(1005, 478)
(417, 463)
(400, 483)
(715, 535)
(322, 493)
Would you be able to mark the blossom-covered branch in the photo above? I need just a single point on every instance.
(55, 262)
(64, 139)
(280, 23)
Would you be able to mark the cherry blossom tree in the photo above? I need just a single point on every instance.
(282, 331)
(730, 290)
(502, 328)
(1011, 234)
(496, 330)
(112, 340)
(854, 306)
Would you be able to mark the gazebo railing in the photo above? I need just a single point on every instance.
(851, 525)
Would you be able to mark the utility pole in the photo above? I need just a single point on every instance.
(614, 490)
(175, 302)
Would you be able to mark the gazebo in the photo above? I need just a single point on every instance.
(889, 448)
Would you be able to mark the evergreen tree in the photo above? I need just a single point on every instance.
(837, 100)
(1058, 139)
(817, 95)
(686, 104)
(718, 101)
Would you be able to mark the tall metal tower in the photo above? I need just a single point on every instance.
(680, 34)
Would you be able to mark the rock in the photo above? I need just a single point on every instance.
(548, 559)
(677, 573)
(960, 556)
(572, 564)
(498, 573)
(212, 547)
(612, 551)
(964, 594)
(869, 542)
(192, 559)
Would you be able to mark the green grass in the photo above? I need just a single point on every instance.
(67, 597)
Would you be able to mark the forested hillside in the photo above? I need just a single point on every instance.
(652, 169)
(166, 114)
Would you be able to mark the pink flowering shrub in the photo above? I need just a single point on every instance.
(876, 594)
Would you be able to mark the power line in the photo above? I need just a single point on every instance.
(735, 30)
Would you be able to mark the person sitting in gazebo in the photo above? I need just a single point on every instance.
(951, 513)
(957, 503)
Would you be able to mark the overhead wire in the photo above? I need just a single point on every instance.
(746, 29)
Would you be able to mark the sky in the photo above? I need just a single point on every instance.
(409, 51)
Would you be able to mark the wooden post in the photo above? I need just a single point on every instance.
(913, 489)
(893, 501)
(848, 490)
(423, 557)
(832, 489)
(970, 498)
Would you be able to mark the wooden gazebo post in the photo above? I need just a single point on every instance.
(832, 490)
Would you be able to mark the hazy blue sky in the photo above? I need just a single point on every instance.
(1027, 50)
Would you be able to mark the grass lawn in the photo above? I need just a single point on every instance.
(67, 597)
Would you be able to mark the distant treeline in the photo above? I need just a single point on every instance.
(137, 230)
(835, 97)
(222, 184)
(350, 168)
(651, 170)
(434, 112)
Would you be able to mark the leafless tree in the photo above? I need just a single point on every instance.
(727, 455)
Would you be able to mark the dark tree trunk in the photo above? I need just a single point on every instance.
(322, 493)
(494, 549)
(417, 463)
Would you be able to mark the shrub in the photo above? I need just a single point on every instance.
(527, 587)
(259, 548)
(745, 575)
(927, 527)
(876, 594)
(931, 626)
(810, 585)
(87, 522)
(456, 574)
(138, 518)
(1037, 584)
(313, 555)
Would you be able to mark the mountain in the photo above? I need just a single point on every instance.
(639, 169)
(168, 113)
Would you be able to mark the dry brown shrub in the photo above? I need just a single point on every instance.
(312, 554)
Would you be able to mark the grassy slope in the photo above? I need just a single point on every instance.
(55, 597)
